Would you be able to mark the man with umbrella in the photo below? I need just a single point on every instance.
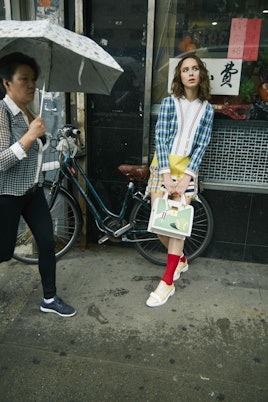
(22, 137)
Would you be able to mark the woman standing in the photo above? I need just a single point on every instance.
(22, 136)
(183, 132)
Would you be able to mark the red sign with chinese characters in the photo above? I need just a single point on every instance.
(251, 47)
(237, 38)
(244, 39)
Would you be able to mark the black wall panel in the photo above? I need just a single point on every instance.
(240, 226)
(115, 122)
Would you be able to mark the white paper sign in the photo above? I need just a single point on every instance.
(225, 75)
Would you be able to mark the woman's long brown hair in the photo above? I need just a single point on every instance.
(177, 87)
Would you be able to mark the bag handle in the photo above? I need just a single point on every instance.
(182, 200)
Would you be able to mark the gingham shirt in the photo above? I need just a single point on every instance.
(167, 128)
(19, 170)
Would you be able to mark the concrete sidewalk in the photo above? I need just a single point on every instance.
(208, 343)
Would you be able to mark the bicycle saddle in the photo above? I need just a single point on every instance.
(135, 172)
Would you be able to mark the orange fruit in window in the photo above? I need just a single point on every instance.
(190, 47)
(263, 91)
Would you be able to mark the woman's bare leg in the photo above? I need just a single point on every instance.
(173, 246)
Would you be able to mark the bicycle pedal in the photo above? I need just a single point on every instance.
(103, 239)
(122, 230)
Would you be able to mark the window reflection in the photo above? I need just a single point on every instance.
(204, 27)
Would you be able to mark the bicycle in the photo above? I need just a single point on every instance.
(67, 217)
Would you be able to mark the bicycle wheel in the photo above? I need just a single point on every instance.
(67, 223)
(202, 230)
(152, 249)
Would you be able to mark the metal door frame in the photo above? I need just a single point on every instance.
(148, 81)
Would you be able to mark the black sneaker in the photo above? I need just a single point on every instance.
(59, 307)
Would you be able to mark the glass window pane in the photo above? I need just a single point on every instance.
(204, 27)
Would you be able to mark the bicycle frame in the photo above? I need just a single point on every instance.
(70, 167)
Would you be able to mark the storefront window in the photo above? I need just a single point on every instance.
(231, 37)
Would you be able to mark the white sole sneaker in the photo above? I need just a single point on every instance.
(161, 294)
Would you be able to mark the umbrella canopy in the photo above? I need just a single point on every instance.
(69, 62)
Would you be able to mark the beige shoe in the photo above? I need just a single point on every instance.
(181, 267)
(161, 294)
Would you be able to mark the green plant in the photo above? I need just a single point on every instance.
(246, 89)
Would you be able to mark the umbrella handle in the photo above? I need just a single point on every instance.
(42, 100)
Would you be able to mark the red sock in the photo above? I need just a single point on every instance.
(172, 262)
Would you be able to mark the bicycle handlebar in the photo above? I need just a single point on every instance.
(69, 131)
(67, 136)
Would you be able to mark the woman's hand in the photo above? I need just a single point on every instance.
(183, 184)
(169, 183)
(37, 128)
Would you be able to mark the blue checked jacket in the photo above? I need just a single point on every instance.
(166, 129)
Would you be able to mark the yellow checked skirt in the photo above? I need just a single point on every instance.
(177, 164)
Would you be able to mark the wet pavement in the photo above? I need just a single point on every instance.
(208, 343)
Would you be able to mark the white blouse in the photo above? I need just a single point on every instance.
(188, 116)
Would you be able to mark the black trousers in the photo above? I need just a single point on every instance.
(34, 209)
